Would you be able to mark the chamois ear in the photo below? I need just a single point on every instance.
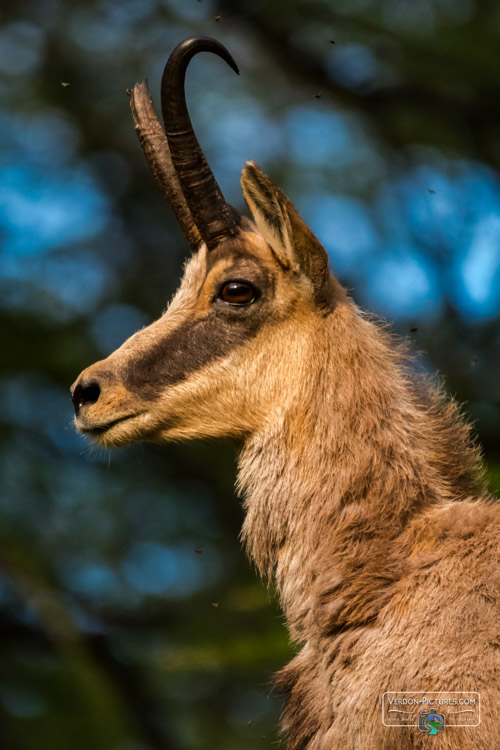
(281, 225)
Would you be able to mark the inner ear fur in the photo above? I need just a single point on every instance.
(293, 242)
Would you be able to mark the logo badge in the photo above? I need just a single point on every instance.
(431, 722)
(403, 709)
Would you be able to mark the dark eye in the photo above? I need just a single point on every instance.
(238, 293)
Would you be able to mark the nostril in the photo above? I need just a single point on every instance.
(85, 394)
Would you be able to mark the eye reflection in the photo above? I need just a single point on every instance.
(238, 293)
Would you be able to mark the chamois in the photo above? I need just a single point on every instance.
(362, 486)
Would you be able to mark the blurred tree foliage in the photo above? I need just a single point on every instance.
(130, 619)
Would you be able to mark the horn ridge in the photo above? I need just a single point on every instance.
(213, 217)
(155, 146)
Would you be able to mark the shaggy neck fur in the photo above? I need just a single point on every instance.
(336, 477)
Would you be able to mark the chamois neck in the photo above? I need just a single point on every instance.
(334, 477)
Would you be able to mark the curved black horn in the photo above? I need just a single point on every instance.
(213, 217)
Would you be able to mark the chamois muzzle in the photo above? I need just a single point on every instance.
(103, 407)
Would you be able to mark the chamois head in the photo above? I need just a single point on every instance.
(252, 295)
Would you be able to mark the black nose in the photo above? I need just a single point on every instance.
(85, 393)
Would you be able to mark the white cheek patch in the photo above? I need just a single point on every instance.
(194, 273)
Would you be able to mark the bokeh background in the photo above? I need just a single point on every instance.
(129, 617)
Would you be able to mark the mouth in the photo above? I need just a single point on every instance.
(98, 431)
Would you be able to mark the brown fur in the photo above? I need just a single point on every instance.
(363, 490)
(387, 569)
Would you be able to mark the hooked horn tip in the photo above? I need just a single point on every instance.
(189, 47)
